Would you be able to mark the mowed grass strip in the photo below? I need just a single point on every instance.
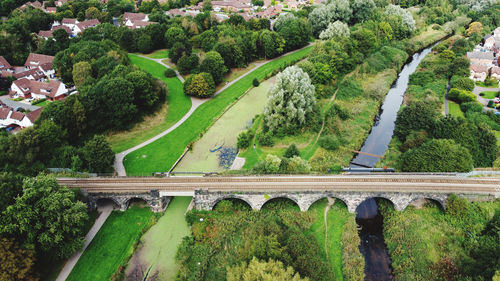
(113, 245)
(454, 109)
(162, 154)
(178, 104)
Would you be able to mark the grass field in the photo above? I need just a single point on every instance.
(43, 103)
(454, 109)
(489, 94)
(224, 131)
(481, 84)
(178, 104)
(158, 54)
(113, 245)
(497, 134)
(161, 155)
(156, 254)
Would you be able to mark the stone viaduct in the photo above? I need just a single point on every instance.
(401, 190)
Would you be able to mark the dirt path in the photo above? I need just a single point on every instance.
(327, 208)
(118, 164)
(105, 211)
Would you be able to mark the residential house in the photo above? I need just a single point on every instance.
(24, 88)
(495, 72)
(4, 64)
(81, 26)
(71, 23)
(11, 118)
(478, 72)
(489, 42)
(232, 6)
(478, 57)
(49, 33)
(136, 20)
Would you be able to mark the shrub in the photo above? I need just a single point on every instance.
(457, 207)
(244, 139)
(490, 81)
(414, 117)
(255, 82)
(266, 139)
(169, 73)
(298, 165)
(414, 139)
(491, 104)
(291, 151)
(329, 142)
(472, 106)
(186, 63)
(461, 95)
(421, 78)
(462, 83)
(200, 85)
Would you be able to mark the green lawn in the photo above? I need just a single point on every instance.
(489, 94)
(159, 244)
(162, 154)
(178, 104)
(159, 54)
(454, 109)
(497, 134)
(224, 131)
(43, 103)
(481, 84)
(113, 245)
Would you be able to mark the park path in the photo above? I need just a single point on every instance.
(446, 107)
(325, 214)
(70, 264)
(118, 164)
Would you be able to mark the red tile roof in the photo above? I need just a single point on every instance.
(88, 23)
(16, 115)
(34, 60)
(33, 115)
(4, 64)
(68, 21)
(4, 112)
(134, 16)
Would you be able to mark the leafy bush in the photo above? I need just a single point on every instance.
(437, 155)
(461, 95)
(255, 82)
(244, 139)
(462, 83)
(298, 165)
(414, 139)
(329, 142)
(199, 85)
(266, 139)
(169, 73)
(291, 151)
(490, 81)
(473, 106)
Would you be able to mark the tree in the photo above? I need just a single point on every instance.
(214, 64)
(362, 9)
(474, 27)
(187, 63)
(401, 21)
(207, 5)
(414, 117)
(178, 50)
(271, 44)
(98, 154)
(48, 217)
(207, 40)
(291, 151)
(61, 37)
(82, 71)
(437, 155)
(145, 96)
(16, 264)
(174, 34)
(145, 45)
(291, 100)
(459, 67)
(128, 40)
(11, 186)
(340, 10)
(230, 52)
(319, 18)
(200, 85)
(257, 270)
(294, 31)
(335, 29)
(462, 83)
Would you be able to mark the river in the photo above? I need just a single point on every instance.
(368, 217)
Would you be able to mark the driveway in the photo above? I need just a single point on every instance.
(5, 99)
(477, 90)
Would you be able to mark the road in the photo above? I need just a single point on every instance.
(6, 100)
(382, 183)
(477, 90)
(105, 211)
(118, 164)
(446, 99)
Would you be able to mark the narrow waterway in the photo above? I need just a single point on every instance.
(368, 217)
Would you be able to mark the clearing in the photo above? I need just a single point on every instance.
(177, 105)
(204, 156)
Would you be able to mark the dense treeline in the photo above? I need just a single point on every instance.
(233, 235)
(461, 243)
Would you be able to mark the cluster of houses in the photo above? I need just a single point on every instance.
(44, 5)
(136, 20)
(33, 81)
(72, 26)
(485, 58)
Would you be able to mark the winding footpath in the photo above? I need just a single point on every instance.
(196, 102)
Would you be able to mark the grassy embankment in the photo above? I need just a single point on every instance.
(176, 106)
(342, 241)
(224, 132)
(113, 245)
(158, 246)
(429, 244)
(161, 155)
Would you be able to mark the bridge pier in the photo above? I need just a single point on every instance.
(153, 199)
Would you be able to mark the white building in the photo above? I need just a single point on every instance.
(24, 88)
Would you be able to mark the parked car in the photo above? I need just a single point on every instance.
(496, 100)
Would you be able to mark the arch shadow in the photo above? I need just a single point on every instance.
(280, 203)
(369, 207)
(103, 202)
(137, 202)
(236, 204)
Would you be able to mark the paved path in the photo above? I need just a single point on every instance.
(70, 264)
(118, 165)
(6, 100)
(446, 99)
(477, 90)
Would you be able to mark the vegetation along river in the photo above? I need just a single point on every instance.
(368, 217)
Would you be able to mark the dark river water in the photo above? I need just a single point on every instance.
(368, 217)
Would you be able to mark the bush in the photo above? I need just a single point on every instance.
(266, 139)
(297, 165)
(472, 106)
(337, 110)
(255, 82)
(329, 142)
(200, 85)
(414, 139)
(186, 63)
(462, 83)
(490, 81)
(169, 73)
(244, 139)
(491, 104)
(291, 151)
(414, 117)
(461, 96)
(437, 155)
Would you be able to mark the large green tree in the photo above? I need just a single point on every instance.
(98, 154)
(46, 216)
(214, 64)
(257, 270)
(200, 85)
(16, 264)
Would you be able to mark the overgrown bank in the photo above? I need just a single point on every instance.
(461, 243)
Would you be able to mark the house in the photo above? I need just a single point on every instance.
(232, 6)
(81, 26)
(24, 88)
(4, 64)
(478, 57)
(496, 48)
(478, 72)
(489, 42)
(49, 33)
(19, 72)
(495, 72)
(11, 118)
(496, 32)
(71, 23)
(175, 13)
(136, 20)
(51, 10)
(36, 60)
